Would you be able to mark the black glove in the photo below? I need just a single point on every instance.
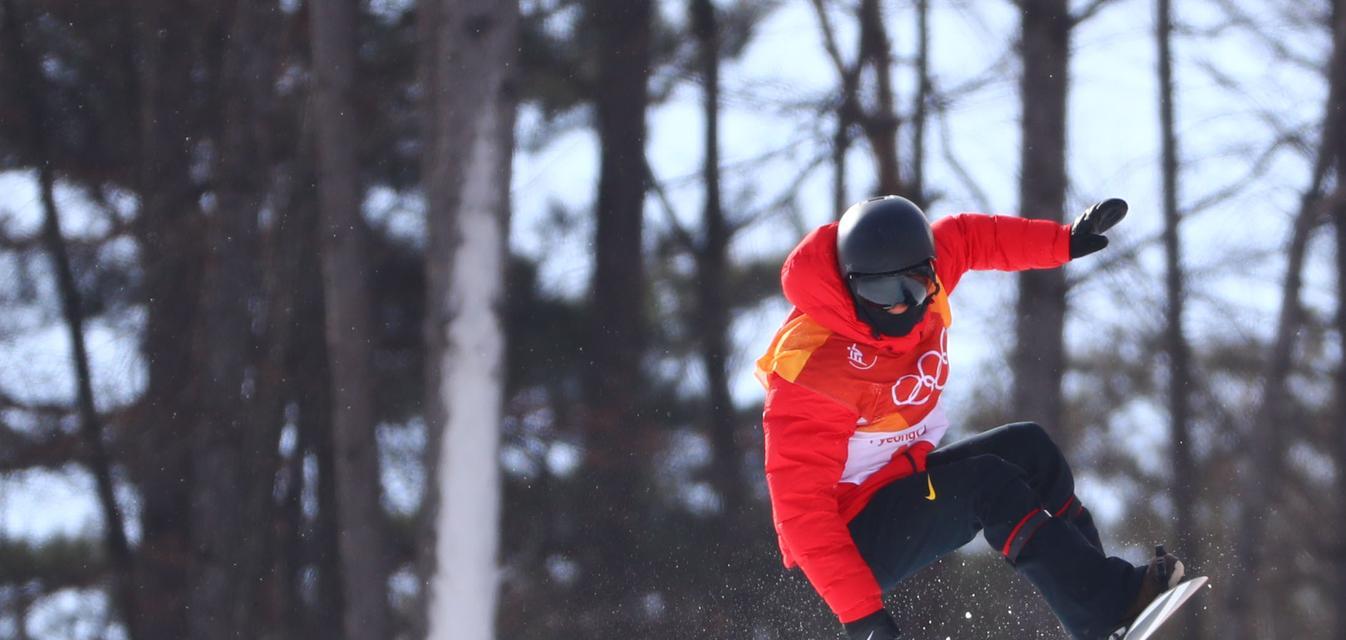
(875, 626)
(1086, 233)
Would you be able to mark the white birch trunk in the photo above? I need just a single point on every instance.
(462, 604)
(470, 120)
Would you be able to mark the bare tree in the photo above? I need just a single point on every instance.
(1339, 217)
(1038, 360)
(362, 539)
(617, 443)
(880, 121)
(98, 459)
(310, 368)
(1263, 477)
(90, 422)
(170, 238)
(1338, 108)
(920, 110)
(712, 257)
(233, 436)
(469, 111)
(881, 124)
(1183, 462)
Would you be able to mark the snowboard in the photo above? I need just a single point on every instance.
(1159, 611)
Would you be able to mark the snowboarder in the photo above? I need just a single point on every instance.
(862, 494)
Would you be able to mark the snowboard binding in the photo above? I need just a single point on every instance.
(1166, 577)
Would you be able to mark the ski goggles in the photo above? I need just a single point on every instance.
(913, 286)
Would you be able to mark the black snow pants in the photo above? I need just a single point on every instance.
(1012, 483)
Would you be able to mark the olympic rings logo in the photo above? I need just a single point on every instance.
(932, 372)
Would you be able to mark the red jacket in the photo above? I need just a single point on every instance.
(846, 413)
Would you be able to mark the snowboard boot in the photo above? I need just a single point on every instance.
(1164, 572)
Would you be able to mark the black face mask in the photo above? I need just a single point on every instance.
(890, 324)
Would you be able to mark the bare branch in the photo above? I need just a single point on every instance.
(683, 236)
(849, 109)
(1292, 134)
(1090, 10)
(830, 40)
(748, 163)
(1115, 257)
(44, 444)
(964, 176)
(1238, 185)
(45, 409)
(1274, 41)
(781, 201)
(996, 72)
(1118, 256)
(54, 564)
(46, 448)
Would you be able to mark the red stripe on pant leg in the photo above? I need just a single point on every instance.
(1005, 550)
(1064, 507)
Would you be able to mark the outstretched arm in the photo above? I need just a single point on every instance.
(973, 241)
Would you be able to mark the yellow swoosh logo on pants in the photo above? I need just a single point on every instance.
(930, 484)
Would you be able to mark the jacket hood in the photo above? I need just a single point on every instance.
(812, 282)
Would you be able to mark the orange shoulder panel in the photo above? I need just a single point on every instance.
(791, 348)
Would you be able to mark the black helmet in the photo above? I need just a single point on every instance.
(885, 251)
(883, 235)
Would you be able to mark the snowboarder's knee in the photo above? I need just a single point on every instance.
(994, 472)
(1029, 436)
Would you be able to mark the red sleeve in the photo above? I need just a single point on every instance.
(974, 241)
(806, 443)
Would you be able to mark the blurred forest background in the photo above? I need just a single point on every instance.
(309, 309)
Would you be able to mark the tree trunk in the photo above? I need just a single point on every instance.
(469, 112)
(617, 444)
(1265, 445)
(1179, 352)
(1263, 474)
(318, 604)
(272, 602)
(279, 551)
(848, 107)
(711, 324)
(168, 231)
(98, 460)
(881, 125)
(921, 109)
(841, 144)
(232, 437)
(1039, 355)
(1338, 107)
(712, 319)
(312, 370)
(91, 426)
(362, 539)
(1339, 559)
